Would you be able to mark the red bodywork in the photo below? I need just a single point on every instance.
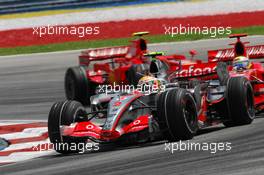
(188, 70)
(101, 71)
(121, 57)
(253, 52)
(224, 55)
(255, 73)
(207, 71)
(96, 132)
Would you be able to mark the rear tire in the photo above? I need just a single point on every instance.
(77, 86)
(240, 100)
(64, 113)
(177, 114)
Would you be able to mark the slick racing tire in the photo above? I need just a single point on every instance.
(77, 86)
(240, 101)
(177, 115)
(64, 113)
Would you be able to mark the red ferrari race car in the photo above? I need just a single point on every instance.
(103, 66)
(234, 62)
(119, 65)
(207, 70)
(239, 58)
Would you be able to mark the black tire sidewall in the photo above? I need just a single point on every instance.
(172, 114)
(239, 90)
(63, 113)
(83, 88)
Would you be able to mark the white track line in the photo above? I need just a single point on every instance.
(14, 147)
(26, 133)
(15, 155)
(6, 123)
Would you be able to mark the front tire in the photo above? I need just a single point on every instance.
(64, 113)
(177, 115)
(240, 100)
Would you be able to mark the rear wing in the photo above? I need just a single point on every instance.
(105, 53)
(253, 52)
(136, 48)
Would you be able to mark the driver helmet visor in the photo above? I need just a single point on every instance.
(241, 64)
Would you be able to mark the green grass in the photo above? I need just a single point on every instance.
(255, 30)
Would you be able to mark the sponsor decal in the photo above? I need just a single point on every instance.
(89, 126)
(255, 51)
(252, 52)
(136, 122)
(191, 71)
(106, 52)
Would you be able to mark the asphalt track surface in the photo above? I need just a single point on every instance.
(30, 84)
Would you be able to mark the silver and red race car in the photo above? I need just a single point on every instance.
(124, 118)
(174, 112)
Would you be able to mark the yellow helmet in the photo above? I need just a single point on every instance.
(149, 82)
(241, 62)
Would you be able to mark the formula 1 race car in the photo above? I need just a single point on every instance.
(208, 70)
(254, 72)
(104, 66)
(130, 117)
(119, 65)
(231, 102)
